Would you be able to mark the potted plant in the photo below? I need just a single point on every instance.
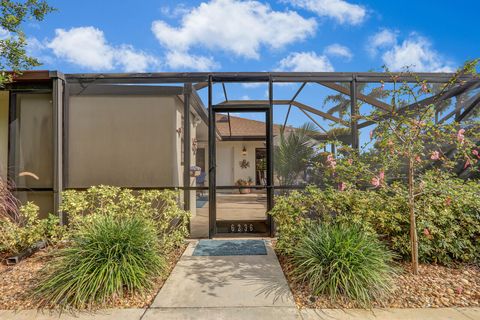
(195, 171)
(244, 183)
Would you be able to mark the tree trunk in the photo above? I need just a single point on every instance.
(413, 224)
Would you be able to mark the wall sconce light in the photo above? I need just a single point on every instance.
(196, 122)
(244, 151)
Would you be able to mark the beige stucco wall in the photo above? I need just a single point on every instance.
(3, 133)
(178, 172)
(123, 141)
(231, 163)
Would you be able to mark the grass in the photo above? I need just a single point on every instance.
(106, 258)
(343, 260)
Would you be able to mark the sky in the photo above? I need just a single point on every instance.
(233, 35)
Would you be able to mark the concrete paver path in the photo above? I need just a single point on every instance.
(237, 283)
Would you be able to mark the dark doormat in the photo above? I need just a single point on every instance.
(230, 248)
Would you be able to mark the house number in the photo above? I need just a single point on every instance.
(242, 229)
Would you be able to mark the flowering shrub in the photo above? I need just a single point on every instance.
(448, 216)
(160, 207)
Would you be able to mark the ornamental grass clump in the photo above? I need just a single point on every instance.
(105, 259)
(344, 261)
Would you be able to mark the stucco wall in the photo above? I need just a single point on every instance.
(229, 156)
(3, 133)
(178, 172)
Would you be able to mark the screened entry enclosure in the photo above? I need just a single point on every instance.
(228, 158)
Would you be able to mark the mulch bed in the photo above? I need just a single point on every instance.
(17, 281)
(435, 286)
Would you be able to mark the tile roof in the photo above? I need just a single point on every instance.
(242, 127)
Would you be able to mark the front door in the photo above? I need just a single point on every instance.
(241, 195)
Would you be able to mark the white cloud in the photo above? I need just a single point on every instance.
(4, 33)
(87, 47)
(183, 60)
(254, 84)
(337, 50)
(305, 61)
(340, 10)
(175, 12)
(238, 27)
(416, 53)
(381, 39)
(133, 60)
(37, 49)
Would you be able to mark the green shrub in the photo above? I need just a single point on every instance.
(105, 258)
(447, 209)
(448, 219)
(27, 229)
(295, 212)
(161, 207)
(341, 259)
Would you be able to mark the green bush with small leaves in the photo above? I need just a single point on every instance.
(106, 257)
(448, 216)
(344, 260)
(27, 229)
(160, 207)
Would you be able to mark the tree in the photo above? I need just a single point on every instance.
(13, 55)
(407, 142)
(341, 102)
(293, 153)
(411, 137)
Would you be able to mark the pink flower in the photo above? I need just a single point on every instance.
(448, 201)
(341, 186)
(381, 176)
(371, 135)
(375, 182)
(426, 232)
(331, 161)
(460, 135)
(350, 161)
(467, 164)
(459, 290)
(435, 155)
(476, 153)
(418, 159)
(424, 87)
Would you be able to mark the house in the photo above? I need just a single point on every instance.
(56, 135)
(152, 130)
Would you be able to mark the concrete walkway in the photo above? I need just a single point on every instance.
(227, 286)
(249, 313)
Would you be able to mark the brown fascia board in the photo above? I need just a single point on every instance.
(31, 76)
(36, 75)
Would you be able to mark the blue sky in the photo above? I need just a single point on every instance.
(445, 32)
(232, 35)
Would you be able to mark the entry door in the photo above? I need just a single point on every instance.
(239, 205)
